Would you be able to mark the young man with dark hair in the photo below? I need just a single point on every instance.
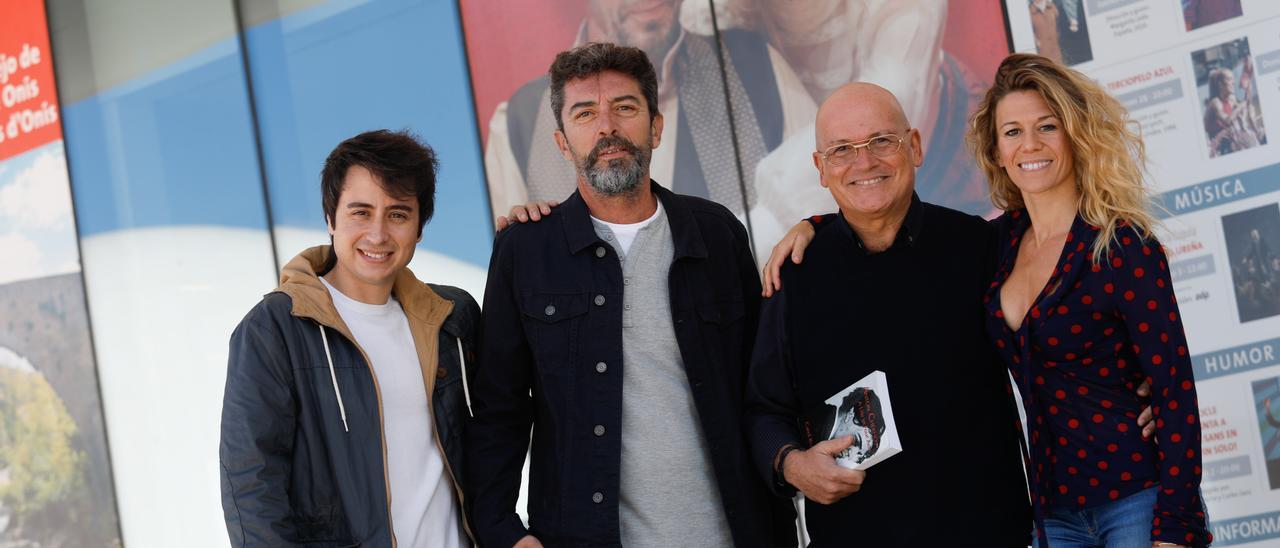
(344, 411)
(619, 329)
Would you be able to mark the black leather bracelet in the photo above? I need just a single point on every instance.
(782, 459)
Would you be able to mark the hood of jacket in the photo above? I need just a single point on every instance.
(311, 298)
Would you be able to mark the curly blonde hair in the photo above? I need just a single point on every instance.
(1109, 156)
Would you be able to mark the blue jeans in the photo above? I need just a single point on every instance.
(1125, 523)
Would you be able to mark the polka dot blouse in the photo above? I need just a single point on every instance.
(1095, 332)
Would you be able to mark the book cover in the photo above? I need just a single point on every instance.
(862, 410)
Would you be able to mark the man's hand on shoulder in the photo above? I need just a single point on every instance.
(815, 473)
(532, 211)
(791, 247)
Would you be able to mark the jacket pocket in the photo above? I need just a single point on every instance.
(552, 325)
(553, 308)
(722, 332)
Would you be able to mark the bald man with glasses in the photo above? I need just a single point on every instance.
(891, 284)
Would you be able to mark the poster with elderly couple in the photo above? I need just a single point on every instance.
(774, 63)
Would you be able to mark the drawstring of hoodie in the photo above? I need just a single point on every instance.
(333, 375)
(466, 391)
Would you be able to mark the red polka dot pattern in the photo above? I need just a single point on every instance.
(1103, 331)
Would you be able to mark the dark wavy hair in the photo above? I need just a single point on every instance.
(401, 164)
(597, 57)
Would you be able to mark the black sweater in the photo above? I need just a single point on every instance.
(913, 311)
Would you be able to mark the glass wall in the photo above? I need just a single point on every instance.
(174, 235)
(196, 133)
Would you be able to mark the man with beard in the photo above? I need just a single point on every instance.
(618, 329)
(699, 159)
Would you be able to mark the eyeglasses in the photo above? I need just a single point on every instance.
(880, 146)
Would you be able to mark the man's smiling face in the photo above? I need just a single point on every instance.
(608, 132)
(374, 235)
(869, 186)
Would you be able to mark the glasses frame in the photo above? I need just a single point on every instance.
(865, 143)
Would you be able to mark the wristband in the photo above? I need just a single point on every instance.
(782, 459)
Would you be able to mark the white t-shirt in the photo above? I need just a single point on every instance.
(627, 233)
(423, 510)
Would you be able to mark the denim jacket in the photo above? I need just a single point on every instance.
(552, 328)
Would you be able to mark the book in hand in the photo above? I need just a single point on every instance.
(862, 410)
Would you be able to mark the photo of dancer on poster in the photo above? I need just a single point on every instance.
(1060, 30)
(1229, 96)
(1073, 32)
(1266, 395)
(1044, 24)
(1253, 247)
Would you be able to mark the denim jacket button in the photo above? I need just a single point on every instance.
(598, 430)
(597, 497)
(599, 300)
(600, 252)
(550, 310)
(601, 367)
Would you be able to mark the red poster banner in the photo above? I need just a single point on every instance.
(29, 115)
(509, 44)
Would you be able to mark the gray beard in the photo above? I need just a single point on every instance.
(619, 178)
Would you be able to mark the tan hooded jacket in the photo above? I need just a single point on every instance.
(278, 412)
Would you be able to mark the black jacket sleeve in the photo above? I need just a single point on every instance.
(258, 423)
(498, 438)
(751, 289)
(772, 405)
(781, 511)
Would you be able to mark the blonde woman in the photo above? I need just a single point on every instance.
(1082, 310)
